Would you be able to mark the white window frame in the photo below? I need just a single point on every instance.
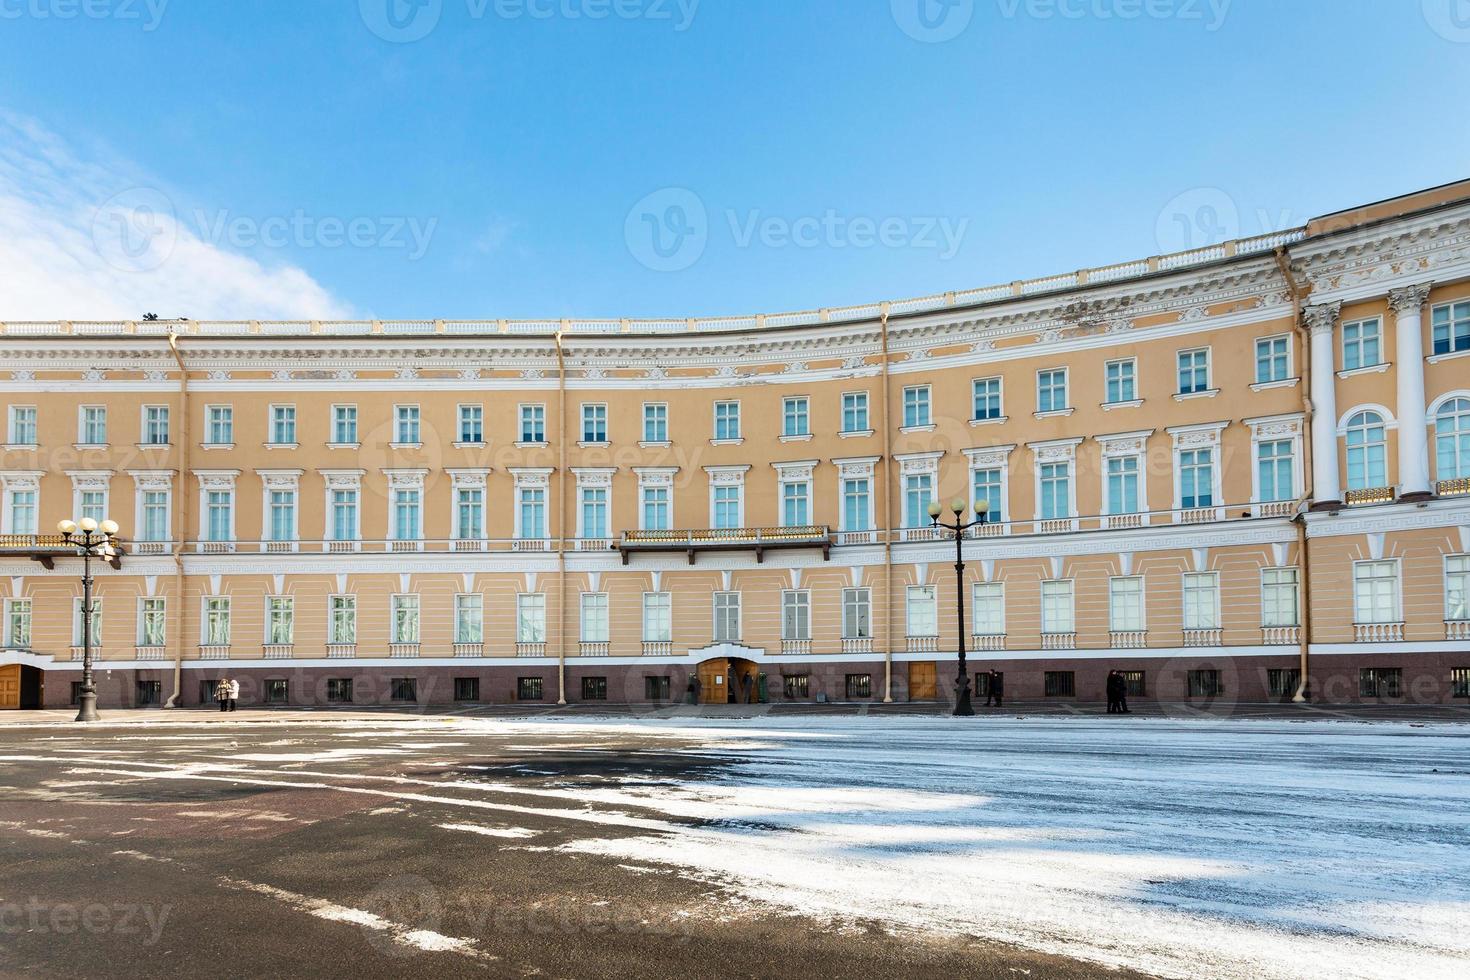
(730, 408)
(727, 606)
(221, 416)
(999, 395)
(408, 420)
(143, 431)
(344, 414)
(1213, 577)
(857, 600)
(1296, 596)
(1134, 620)
(159, 612)
(1179, 369)
(916, 596)
(797, 408)
(207, 619)
(658, 612)
(1132, 379)
(472, 413)
(584, 490)
(1063, 587)
(595, 618)
(82, 433)
(12, 430)
(990, 590)
(655, 424)
(76, 621)
(1377, 322)
(346, 604)
(274, 603)
(19, 610)
(1066, 388)
(1287, 355)
(469, 617)
(796, 614)
(859, 407)
(921, 399)
(595, 416)
(405, 618)
(531, 415)
(1397, 580)
(531, 617)
(1452, 614)
(281, 414)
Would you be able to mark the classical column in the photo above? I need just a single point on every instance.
(1322, 322)
(1407, 305)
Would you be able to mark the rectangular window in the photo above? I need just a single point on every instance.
(469, 618)
(1051, 390)
(403, 689)
(795, 417)
(219, 510)
(796, 504)
(405, 619)
(219, 426)
(343, 619)
(594, 689)
(594, 512)
(1273, 359)
(154, 505)
(594, 423)
(987, 405)
(655, 688)
(344, 425)
(1202, 601)
(531, 617)
(406, 425)
(1056, 490)
(216, 621)
(1134, 683)
(989, 617)
(339, 690)
(656, 515)
(1125, 604)
(797, 686)
(1451, 324)
(857, 502)
(533, 424)
(1376, 592)
(989, 488)
(93, 504)
(1457, 588)
(1460, 682)
(532, 513)
(23, 429)
(1380, 682)
(1057, 609)
(857, 614)
(1123, 497)
(344, 515)
(283, 425)
(655, 422)
(1282, 682)
(150, 694)
(407, 509)
(18, 623)
(280, 620)
(528, 689)
(855, 412)
(658, 620)
(859, 686)
(1122, 381)
(1059, 684)
(276, 690)
(727, 421)
(1275, 469)
(727, 507)
(916, 407)
(923, 611)
(918, 491)
(796, 615)
(594, 617)
(466, 689)
(1205, 684)
(1279, 597)
(727, 617)
(472, 424)
(92, 425)
(281, 525)
(155, 425)
(93, 622)
(1361, 344)
(23, 512)
(1194, 371)
(469, 513)
(151, 621)
(1196, 478)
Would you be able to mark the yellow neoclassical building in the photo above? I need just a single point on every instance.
(1241, 472)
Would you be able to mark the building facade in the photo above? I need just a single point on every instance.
(1236, 473)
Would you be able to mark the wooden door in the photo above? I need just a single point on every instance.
(713, 681)
(10, 687)
(923, 681)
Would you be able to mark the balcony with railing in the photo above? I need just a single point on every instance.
(214, 651)
(1378, 632)
(792, 648)
(151, 651)
(658, 648)
(278, 651)
(1058, 641)
(756, 539)
(988, 642)
(46, 548)
(403, 649)
(1280, 636)
(1453, 488)
(341, 651)
(1203, 637)
(923, 644)
(530, 649)
(1128, 639)
(595, 648)
(1457, 629)
(468, 648)
(857, 644)
(1369, 496)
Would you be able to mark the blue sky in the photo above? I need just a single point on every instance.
(302, 158)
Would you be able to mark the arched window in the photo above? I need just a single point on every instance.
(1367, 452)
(1452, 439)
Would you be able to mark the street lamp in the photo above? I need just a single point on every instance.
(959, 527)
(92, 540)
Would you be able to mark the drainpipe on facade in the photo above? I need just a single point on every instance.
(1298, 516)
(561, 531)
(181, 509)
(887, 518)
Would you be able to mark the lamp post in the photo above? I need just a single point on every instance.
(92, 540)
(959, 527)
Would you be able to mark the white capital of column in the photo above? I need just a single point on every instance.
(1408, 307)
(1322, 322)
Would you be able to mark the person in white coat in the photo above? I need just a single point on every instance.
(234, 693)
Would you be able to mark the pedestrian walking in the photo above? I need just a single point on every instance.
(222, 694)
(995, 692)
(1122, 693)
(234, 693)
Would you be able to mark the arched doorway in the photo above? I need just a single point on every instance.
(728, 680)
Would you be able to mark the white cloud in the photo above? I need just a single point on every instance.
(84, 239)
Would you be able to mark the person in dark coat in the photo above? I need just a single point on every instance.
(997, 689)
(1122, 693)
(1117, 693)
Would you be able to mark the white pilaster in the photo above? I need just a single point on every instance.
(1322, 323)
(1408, 307)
